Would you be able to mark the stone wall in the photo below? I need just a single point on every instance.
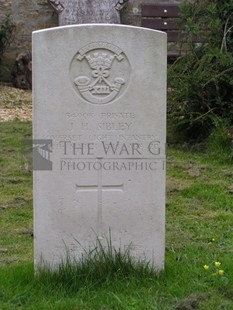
(27, 16)
(30, 15)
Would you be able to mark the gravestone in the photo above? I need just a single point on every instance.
(99, 141)
(88, 11)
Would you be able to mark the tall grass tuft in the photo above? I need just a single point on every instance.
(220, 142)
(97, 268)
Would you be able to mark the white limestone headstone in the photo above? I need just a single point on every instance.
(99, 100)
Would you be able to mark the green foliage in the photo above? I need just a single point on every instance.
(6, 31)
(99, 267)
(201, 82)
(198, 233)
(220, 141)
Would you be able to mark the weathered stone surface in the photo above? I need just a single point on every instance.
(22, 71)
(27, 16)
(100, 96)
(88, 11)
(38, 14)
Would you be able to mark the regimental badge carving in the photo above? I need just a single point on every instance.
(100, 72)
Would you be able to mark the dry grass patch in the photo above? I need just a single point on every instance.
(15, 103)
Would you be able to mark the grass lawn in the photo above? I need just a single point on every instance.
(199, 232)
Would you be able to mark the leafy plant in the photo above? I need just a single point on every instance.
(6, 31)
(201, 81)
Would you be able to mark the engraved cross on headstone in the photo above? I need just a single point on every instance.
(100, 188)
